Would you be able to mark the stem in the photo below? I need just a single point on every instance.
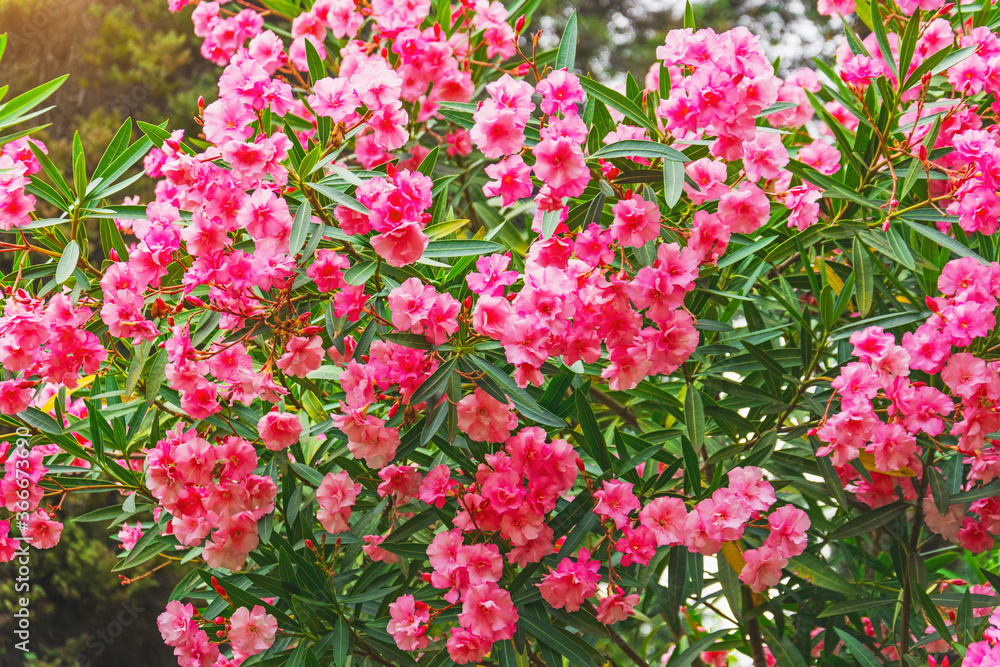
(616, 407)
(753, 629)
(621, 643)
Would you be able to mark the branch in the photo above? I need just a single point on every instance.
(615, 407)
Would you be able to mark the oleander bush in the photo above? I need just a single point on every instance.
(431, 349)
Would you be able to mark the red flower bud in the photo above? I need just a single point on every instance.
(519, 24)
(113, 255)
(310, 545)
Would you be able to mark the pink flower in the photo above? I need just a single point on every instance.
(616, 501)
(511, 180)
(860, 71)
(8, 545)
(437, 485)
(559, 162)
(335, 497)
(487, 611)
(788, 530)
(763, 568)
(572, 582)
(406, 624)
(42, 532)
(665, 517)
(497, 131)
(484, 418)
(375, 552)
(637, 221)
(744, 210)
(749, 483)
(279, 430)
(764, 156)
(302, 356)
(402, 245)
(15, 396)
(252, 631)
(465, 647)
(128, 535)
(616, 607)
(327, 271)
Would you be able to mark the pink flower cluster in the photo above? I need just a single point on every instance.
(880, 380)
(47, 340)
(513, 492)
(208, 488)
(17, 162)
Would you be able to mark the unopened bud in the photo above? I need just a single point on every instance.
(195, 301)
(519, 24)
(160, 308)
(113, 255)
(310, 545)
(922, 152)
(468, 302)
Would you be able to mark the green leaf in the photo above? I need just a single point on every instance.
(13, 111)
(939, 491)
(869, 521)
(694, 417)
(79, 166)
(156, 377)
(942, 240)
(853, 606)
(689, 16)
(436, 383)
(429, 162)
(565, 644)
(899, 249)
(930, 610)
(673, 182)
(307, 473)
(864, 657)
(339, 197)
(878, 26)
(591, 431)
(784, 650)
(745, 251)
(461, 248)
(135, 367)
(566, 57)
(640, 148)
(360, 272)
(51, 171)
(300, 227)
(815, 571)
(522, 399)
(315, 64)
(831, 187)
(341, 643)
(67, 262)
(864, 277)
(687, 658)
(550, 222)
(117, 146)
(619, 102)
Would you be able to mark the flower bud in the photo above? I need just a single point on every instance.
(519, 24)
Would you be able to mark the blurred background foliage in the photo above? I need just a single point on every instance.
(133, 58)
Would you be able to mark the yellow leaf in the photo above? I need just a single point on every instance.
(734, 555)
(51, 403)
(868, 461)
